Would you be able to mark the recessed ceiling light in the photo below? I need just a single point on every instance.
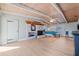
(52, 20)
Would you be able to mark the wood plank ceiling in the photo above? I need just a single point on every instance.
(70, 10)
(46, 11)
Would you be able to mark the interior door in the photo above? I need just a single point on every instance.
(12, 30)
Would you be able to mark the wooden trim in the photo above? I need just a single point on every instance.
(34, 22)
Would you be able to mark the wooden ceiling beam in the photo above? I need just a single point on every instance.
(34, 22)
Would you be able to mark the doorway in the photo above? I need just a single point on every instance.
(13, 30)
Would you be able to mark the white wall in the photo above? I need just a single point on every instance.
(0, 29)
(22, 27)
(52, 28)
(61, 28)
(3, 30)
(23, 34)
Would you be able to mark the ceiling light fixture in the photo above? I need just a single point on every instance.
(52, 20)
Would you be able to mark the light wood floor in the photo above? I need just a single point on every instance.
(48, 46)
